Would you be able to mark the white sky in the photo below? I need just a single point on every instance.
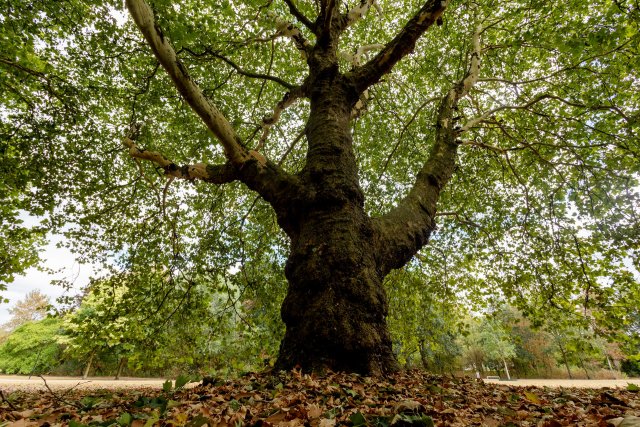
(52, 257)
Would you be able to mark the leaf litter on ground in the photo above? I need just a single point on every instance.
(292, 399)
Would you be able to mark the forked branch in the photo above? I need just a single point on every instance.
(238, 69)
(401, 45)
(407, 227)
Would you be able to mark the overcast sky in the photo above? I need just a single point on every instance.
(52, 257)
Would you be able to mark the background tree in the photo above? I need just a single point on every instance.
(32, 348)
(331, 146)
(425, 318)
(32, 307)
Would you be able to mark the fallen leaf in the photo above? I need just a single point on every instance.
(532, 397)
(327, 422)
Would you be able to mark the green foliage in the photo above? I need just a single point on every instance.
(631, 368)
(32, 348)
(424, 320)
(542, 211)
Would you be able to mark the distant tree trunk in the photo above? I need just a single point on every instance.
(120, 367)
(506, 369)
(423, 356)
(87, 368)
(613, 372)
(564, 359)
(584, 368)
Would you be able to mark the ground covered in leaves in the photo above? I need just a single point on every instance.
(294, 399)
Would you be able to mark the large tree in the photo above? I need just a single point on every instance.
(356, 124)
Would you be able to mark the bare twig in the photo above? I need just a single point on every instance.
(58, 398)
(4, 399)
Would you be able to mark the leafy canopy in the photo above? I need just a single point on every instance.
(543, 208)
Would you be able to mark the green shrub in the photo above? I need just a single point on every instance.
(32, 348)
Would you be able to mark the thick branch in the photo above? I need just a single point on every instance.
(218, 174)
(400, 46)
(326, 12)
(407, 227)
(166, 55)
(360, 10)
(473, 73)
(266, 178)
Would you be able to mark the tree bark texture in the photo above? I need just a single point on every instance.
(336, 307)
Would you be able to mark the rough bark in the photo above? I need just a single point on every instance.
(336, 306)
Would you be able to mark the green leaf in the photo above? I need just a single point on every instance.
(167, 386)
(357, 419)
(172, 404)
(89, 402)
(181, 381)
(632, 387)
(124, 420)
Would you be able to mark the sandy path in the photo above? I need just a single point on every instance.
(9, 383)
(568, 383)
(15, 382)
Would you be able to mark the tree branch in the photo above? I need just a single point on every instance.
(166, 55)
(219, 174)
(266, 178)
(407, 227)
(300, 16)
(326, 12)
(473, 122)
(360, 10)
(239, 70)
(401, 45)
(288, 99)
(287, 29)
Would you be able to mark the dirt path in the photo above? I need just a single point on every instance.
(568, 383)
(15, 382)
(9, 383)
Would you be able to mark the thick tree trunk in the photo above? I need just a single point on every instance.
(335, 310)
